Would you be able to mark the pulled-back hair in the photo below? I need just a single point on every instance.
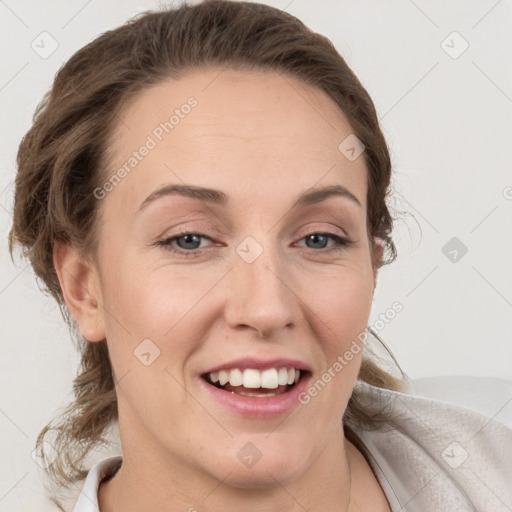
(62, 160)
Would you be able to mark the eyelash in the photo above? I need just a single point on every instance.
(342, 243)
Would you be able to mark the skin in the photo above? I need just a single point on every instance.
(263, 139)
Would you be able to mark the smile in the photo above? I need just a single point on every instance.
(257, 390)
(254, 382)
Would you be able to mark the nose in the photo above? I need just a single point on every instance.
(261, 295)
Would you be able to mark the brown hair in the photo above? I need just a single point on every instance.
(61, 160)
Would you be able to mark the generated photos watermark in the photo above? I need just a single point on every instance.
(151, 142)
(344, 359)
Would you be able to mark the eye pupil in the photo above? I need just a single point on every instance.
(315, 238)
(190, 239)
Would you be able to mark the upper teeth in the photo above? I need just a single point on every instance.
(252, 378)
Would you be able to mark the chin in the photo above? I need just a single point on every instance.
(251, 467)
(264, 476)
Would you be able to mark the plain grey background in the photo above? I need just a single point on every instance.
(440, 76)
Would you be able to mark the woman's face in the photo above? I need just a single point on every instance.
(260, 284)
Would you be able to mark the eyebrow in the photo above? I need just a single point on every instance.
(213, 196)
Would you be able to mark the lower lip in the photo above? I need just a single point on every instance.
(258, 407)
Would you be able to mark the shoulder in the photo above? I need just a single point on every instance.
(491, 397)
(82, 495)
(446, 440)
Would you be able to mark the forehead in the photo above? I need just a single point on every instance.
(245, 128)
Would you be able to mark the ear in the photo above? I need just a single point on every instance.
(378, 252)
(81, 290)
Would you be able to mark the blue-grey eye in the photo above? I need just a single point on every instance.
(319, 241)
(191, 241)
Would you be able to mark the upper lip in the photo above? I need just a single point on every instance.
(260, 364)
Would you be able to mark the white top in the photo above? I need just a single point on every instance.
(431, 456)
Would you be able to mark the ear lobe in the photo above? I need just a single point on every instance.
(79, 282)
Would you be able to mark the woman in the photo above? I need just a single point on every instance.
(203, 191)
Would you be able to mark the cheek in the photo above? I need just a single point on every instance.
(149, 299)
(341, 307)
(343, 303)
(164, 305)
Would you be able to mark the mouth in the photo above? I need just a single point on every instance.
(257, 389)
(254, 382)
